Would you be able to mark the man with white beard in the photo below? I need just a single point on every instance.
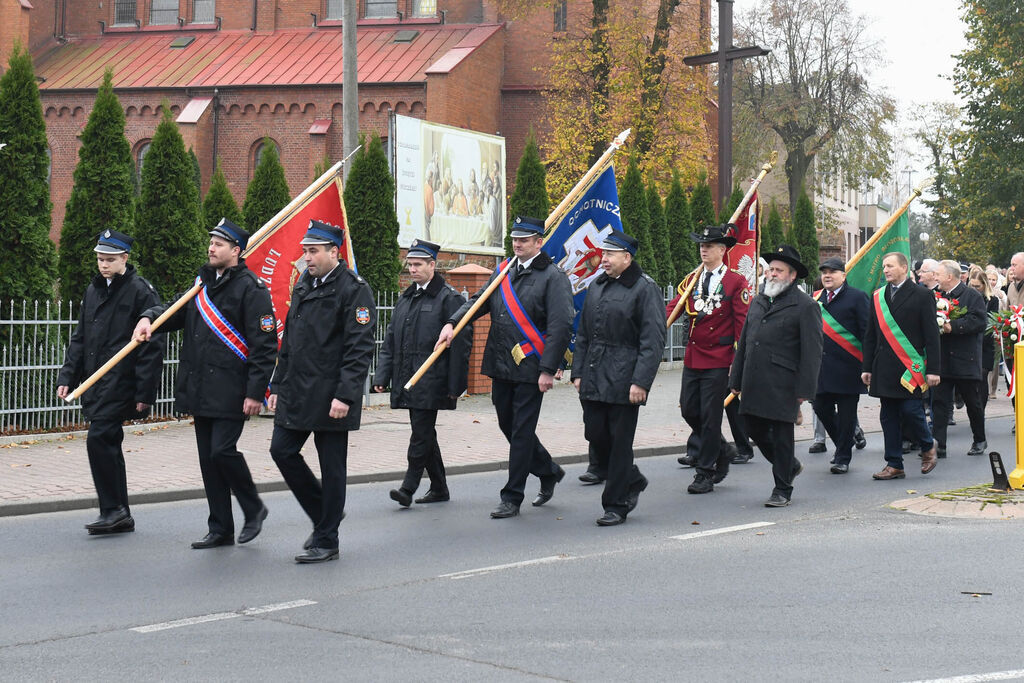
(776, 365)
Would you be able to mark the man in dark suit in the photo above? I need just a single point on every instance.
(845, 312)
(901, 361)
(960, 341)
(531, 320)
(776, 366)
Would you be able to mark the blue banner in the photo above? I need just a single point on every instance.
(574, 244)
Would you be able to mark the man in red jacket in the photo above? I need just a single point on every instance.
(716, 308)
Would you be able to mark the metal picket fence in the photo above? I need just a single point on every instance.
(34, 336)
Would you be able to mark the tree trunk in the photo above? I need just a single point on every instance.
(651, 96)
(797, 163)
(599, 72)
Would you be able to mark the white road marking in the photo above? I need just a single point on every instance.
(220, 616)
(498, 567)
(723, 530)
(979, 678)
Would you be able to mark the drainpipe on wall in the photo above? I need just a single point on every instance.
(255, 11)
(216, 121)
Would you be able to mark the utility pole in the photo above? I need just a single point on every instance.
(349, 83)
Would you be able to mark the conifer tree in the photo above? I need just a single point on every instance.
(170, 240)
(702, 209)
(804, 236)
(680, 225)
(219, 203)
(268, 192)
(771, 230)
(28, 263)
(373, 223)
(103, 196)
(730, 206)
(636, 217)
(197, 175)
(659, 237)
(530, 197)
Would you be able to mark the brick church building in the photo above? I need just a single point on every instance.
(238, 71)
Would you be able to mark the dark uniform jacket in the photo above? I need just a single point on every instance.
(779, 355)
(840, 370)
(961, 347)
(326, 352)
(213, 381)
(546, 296)
(913, 309)
(415, 323)
(106, 320)
(714, 332)
(621, 337)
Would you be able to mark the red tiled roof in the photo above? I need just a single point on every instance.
(238, 58)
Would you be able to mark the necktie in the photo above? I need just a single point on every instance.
(831, 295)
(707, 282)
(316, 282)
(519, 269)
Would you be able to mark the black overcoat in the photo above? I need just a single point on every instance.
(913, 309)
(961, 346)
(106, 321)
(326, 352)
(212, 380)
(778, 356)
(840, 370)
(412, 333)
(621, 336)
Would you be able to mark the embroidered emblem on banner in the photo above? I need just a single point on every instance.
(267, 323)
(362, 315)
(745, 296)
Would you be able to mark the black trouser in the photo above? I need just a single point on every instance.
(224, 472)
(424, 453)
(518, 408)
(700, 402)
(739, 432)
(325, 505)
(838, 415)
(609, 427)
(775, 439)
(594, 463)
(106, 461)
(942, 407)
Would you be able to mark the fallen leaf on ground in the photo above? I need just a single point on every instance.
(911, 491)
(760, 533)
(695, 523)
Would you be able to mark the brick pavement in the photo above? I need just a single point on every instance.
(47, 475)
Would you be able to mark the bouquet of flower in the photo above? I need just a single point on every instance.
(947, 309)
(1003, 326)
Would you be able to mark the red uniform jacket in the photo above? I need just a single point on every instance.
(713, 336)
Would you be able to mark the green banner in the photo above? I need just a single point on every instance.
(866, 274)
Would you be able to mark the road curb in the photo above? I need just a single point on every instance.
(172, 495)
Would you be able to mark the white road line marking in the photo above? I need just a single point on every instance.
(220, 616)
(498, 567)
(978, 678)
(723, 530)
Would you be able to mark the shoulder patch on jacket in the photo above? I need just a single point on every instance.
(362, 315)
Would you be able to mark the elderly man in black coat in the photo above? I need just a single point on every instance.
(227, 357)
(531, 320)
(960, 341)
(845, 312)
(776, 365)
(318, 384)
(420, 313)
(113, 302)
(619, 345)
(901, 361)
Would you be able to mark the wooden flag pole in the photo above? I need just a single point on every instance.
(685, 294)
(259, 236)
(549, 223)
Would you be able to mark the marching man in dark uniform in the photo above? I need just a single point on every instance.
(776, 366)
(531, 319)
(227, 358)
(318, 385)
(112, 303)
(619, 344)
(716, 308)
(419, 315)
(845, 312)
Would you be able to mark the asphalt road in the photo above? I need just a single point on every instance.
(835, 587)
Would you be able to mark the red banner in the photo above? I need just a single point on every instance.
(742, 258)
(276, 258)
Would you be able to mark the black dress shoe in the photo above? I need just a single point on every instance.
(860, 442)
(686, 461)
(401, 496)
(798, 470)
(817, 447)
(742, 458)
(839, 468)
(505, 509)
(433, 496)
(309, 542)
(123, 526)
(611, 519)
(978, 448)
(940, 452)
(107, 522)
(589, 477)
(252, 527)
(701, 484)
(213, 540)
(776, 501)
(314, 555)
(547, 487)
(634, 493)
(722, 463)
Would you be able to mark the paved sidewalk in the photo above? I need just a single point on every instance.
(49, 475)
